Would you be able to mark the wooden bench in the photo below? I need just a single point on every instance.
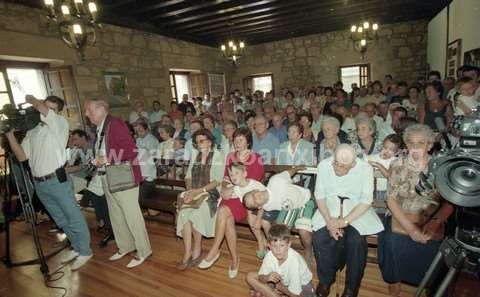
(169, 185)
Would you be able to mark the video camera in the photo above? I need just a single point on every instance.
(455, 174)
(21, 119)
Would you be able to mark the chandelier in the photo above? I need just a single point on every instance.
(362, 34)
(233, 50)
(76, 20)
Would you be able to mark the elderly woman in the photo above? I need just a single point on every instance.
(227, 145)
(366, 142)
(209, 124)
(410, 241)
(165, 148)
(204, 174)
(232, 210)
(179, 126)
(329, 138)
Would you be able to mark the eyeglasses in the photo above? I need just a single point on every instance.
(342, 166)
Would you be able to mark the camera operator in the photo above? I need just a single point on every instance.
(45, 149)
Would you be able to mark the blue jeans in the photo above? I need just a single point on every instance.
(59, 200)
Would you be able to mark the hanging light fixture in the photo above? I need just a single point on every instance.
(363, 34)
(76, 20)
(233, 50)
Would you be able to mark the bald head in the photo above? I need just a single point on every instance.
(345, 154)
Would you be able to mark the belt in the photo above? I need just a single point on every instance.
(45, 177)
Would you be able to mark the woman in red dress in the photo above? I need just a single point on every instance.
(232, 210)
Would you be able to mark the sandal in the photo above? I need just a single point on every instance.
(184, 265)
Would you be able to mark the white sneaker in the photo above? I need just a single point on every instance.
(136, 261)
(118, 256)
(70, 256)
(61, 237)
(79, 262)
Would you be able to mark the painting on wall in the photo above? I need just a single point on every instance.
(216, 84)
(116, 83)
(454, 57)
(472, 57)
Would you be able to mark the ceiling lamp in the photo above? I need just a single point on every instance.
(363, 34)
(233, 50)
(76, 20)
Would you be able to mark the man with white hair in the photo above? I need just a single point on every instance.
(343, 176)
(114, 145)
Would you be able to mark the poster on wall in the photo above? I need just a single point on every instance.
(454, 57)
(216, 84)
(116, 83)
(472, 57)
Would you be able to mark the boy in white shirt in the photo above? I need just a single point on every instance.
(381, 163)
(464, 103)
(284, 272)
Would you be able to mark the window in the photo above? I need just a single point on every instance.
(179, 85)
(4, 95)
(262, 83)
(18, 79)
(26, 81)
(359, 74)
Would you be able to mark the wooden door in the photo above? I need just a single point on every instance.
(198, 84)
(60, 83)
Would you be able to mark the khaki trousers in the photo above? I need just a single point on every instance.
(127, 221)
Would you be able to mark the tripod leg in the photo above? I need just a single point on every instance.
(446, 281)
(429, 273)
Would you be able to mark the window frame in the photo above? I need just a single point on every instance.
(251, 77)
(174, 85)
(366, 78)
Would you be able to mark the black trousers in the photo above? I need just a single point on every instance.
(326, 254)
(99, 205)
(146, 189)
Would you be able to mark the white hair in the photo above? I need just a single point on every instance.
(332, 121)
(425, 130)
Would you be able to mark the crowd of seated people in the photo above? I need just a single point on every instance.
(385, 129)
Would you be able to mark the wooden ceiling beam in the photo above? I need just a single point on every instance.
(158, 5)
(236, 15)
(242, 5)
(279, 11)
(343, 18)
(186, 7)
(348, 12)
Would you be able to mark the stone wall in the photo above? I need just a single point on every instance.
(145, 58)
(312, 60)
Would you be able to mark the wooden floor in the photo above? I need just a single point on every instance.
(156, 277)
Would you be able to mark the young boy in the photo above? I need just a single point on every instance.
(381, 163)
(283, 272)
(465, 102)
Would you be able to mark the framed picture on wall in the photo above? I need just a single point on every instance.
(472, 57)
(216, 84)
(454, 57)
(116, 83)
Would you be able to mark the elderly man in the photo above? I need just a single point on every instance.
(115, 145)
(343, 176)
(264, 142)
(278, 129)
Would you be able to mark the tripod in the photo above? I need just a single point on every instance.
(19, 174)
(454, 254)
